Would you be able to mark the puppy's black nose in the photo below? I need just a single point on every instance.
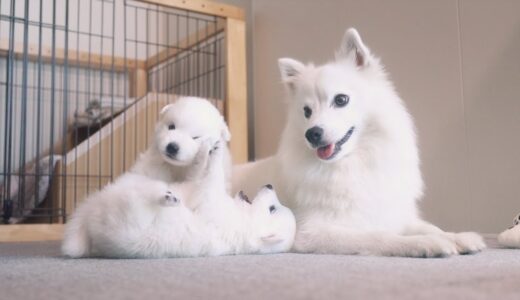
(172, 149)
(314, 135)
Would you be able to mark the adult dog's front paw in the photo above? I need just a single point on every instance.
(169, 199)
(467, 242)
(428, 246)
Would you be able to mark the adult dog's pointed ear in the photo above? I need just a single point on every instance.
(352, 47)
(290, 70)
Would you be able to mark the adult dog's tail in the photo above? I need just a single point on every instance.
(75, 241)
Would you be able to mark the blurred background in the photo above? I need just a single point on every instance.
(456, 65)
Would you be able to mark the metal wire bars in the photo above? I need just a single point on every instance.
(68, 68)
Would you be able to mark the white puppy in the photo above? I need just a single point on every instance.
(348, 162)
(139, 217)
(178, 134)
(177, 139)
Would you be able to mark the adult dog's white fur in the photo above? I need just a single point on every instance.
(140, 217)
(363, 199)
(141, 214)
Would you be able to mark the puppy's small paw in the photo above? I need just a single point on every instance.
(214, 148)
(206, 145)
(169, 199)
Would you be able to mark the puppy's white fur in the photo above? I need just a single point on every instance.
(363, 200)
(140, 217)
(140, 214)
(192, 118)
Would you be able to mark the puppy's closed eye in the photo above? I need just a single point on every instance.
(196, 137)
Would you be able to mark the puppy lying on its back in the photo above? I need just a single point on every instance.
(170, 156)
(141, 217)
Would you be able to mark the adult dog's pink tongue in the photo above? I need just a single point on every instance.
(325, 151)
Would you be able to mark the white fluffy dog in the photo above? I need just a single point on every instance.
(348, 162)
(141, 214)
(140, 217)
(170, 156)
(177, 139)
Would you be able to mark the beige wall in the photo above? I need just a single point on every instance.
(455, 63)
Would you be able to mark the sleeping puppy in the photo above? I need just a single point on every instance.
(140, 217)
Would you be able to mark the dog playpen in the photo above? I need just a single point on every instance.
(81, 85)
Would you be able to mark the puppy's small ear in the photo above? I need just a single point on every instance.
(352, 47)
(290, 70)
(165, 109)
(243, 197)
(226, 135)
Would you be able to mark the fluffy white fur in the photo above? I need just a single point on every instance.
(360, 197)
(142, 215)
(193, 118)
(511, 237)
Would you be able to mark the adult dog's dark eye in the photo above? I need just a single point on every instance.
(171, 126)
(307, 112)
(341, 100)
(272, 209)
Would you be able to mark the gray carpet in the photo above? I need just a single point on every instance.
(36, 271)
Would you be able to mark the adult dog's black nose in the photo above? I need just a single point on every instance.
(172, 149)
(314, 135)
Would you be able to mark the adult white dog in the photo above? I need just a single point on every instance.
(348, 162)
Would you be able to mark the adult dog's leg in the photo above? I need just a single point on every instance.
(467, 242)
(340, 240)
